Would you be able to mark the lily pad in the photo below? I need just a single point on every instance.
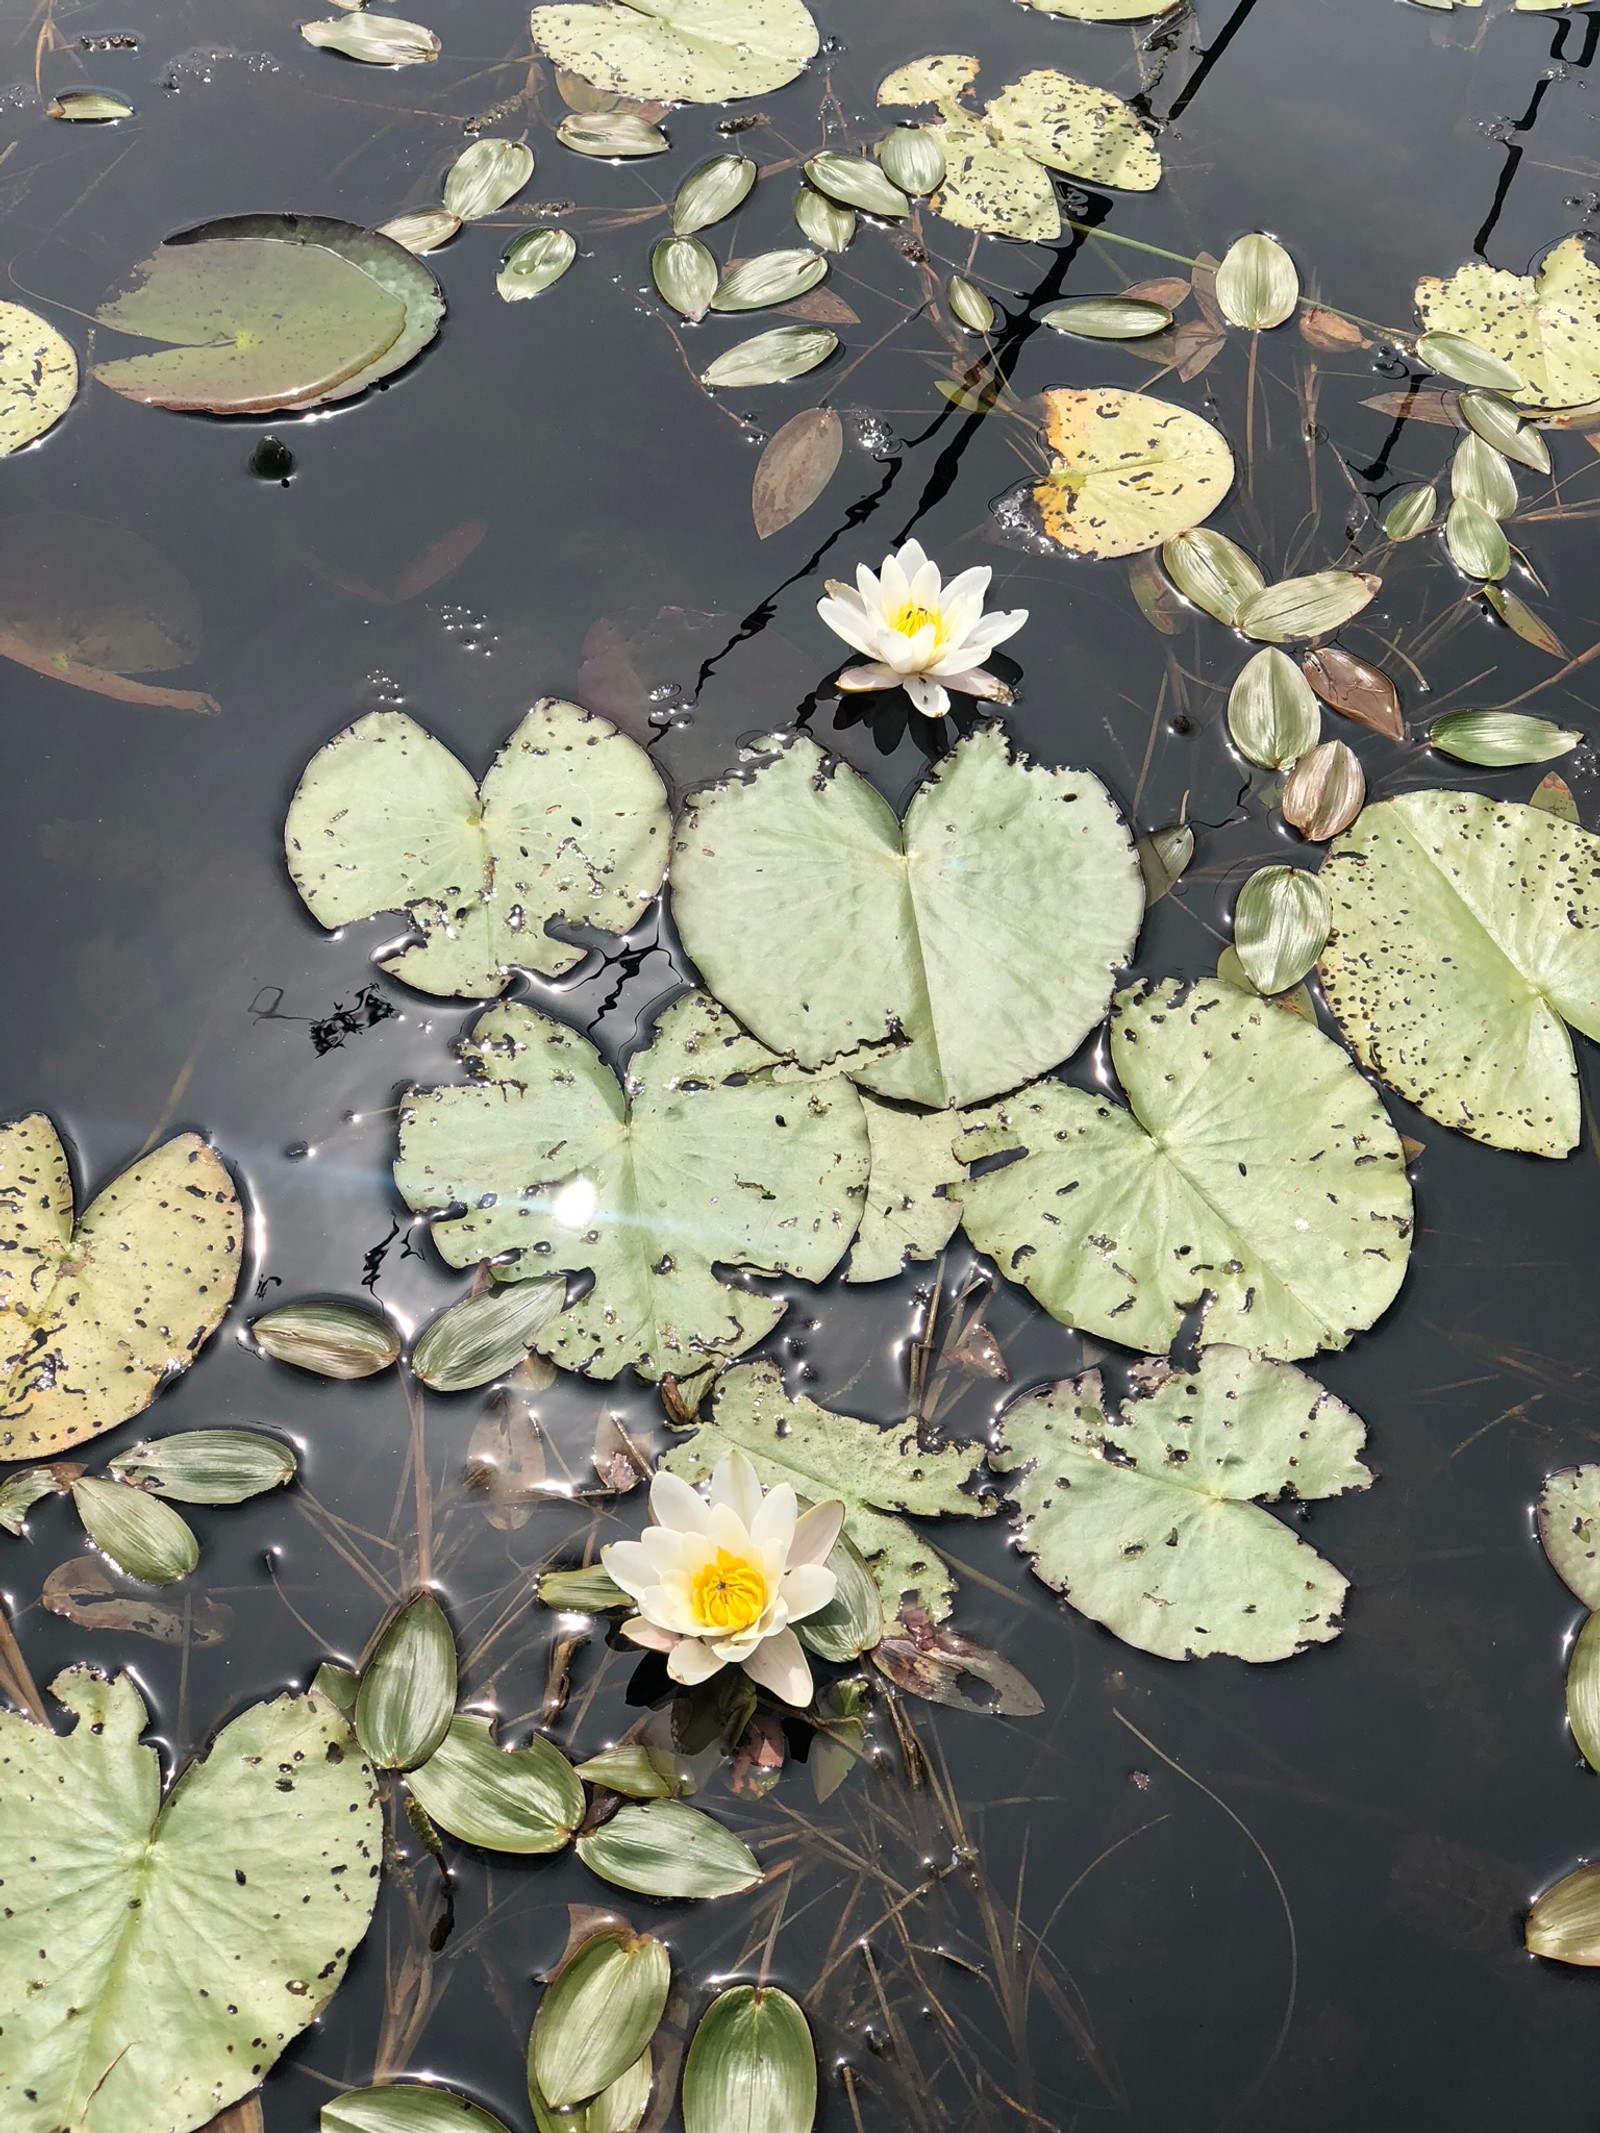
(702, 1158)
(680, 51)
(94, 1319)
(1103, 10)
(1127, 471)
(1142, 1517)
(1253, 1165)
(1069, 126)
(1545, 325)
(171, 1951)
(1466, 936)
(876, 1473)
(249, 326)
(38, 377)
(942, 959)
(1568, 1515)
(569, 826)
(910, 1213)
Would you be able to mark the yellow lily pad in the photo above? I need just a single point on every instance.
(38, 377)
(1545, 325)
(1127, 471)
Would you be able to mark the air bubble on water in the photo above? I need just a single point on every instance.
(297, 1151)
(873, 434)
(1018, 520)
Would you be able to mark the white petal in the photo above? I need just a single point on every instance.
(856, 681)
(869, 590)
(896, 587)
(649, 1634)
(780, 1665)
(911, 557)
(978, 681)
(774, 1522)
(690, 1661)
(728, 1529)
(857, 630)
(667, 1551)
(910, 655)
(995, 629)
(668, 1607)
(968, 585)
(674, 1504)
(815, 1534)
(736, 1483)
(805, 1589)
(926, 696)
(628, 1565)
(925, 587)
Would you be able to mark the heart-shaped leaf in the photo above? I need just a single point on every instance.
(1069, 126)
(831, 929)
(680, 51)
(1127, 471)
(909, 1214)
(570, 826)
(1568, 1515)
(38, 377)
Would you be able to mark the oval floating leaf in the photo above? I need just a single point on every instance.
(481, 1338)
(641, 1773)
(598, 2013)
(1272, 714)
(1411, 513)
(685, 274)
(612, 134)
(1456, 357)
(1306, 607)
(408, 1687)
(381, 40)
(1477, 542)
(1127, 471)
(1280, 927)
(208, 1465)
(331, 1340)
(824, 221)
(1583, 1691)
(405, 2107)
(796, 465)
(1355, 689)
(693, 52)
(522, 1800)
(1564, 1924)
(1501, 739)
(912, 159)
(1483, 475)
(1519, 618)
(88, 104)
(591, 1591)
(1164, 856)
(486, 176)
(532, 263)
(770, 278)
(775, 358)
(1108, 318)
(663, 1848)
(751, 2064)
(853, 1620)
(1213, 572)
(1568, 1515)
(1256, 284)
(711, 192)
(424, 231)
(856, 181)
(143, 1536)
(1325, 792)
(1499, 424)
(968, 304)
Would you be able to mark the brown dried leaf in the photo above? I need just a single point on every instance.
(1355, 690)
(1554, 795)
(1423, 405)
(440, 558)
(942, 1666)
(758, 1764)
(797, 465)
(1325, 792)
(1195, 344)
(979, 1351)
(90, 1595)
(1165, 289)
(1204, 284)
(618, 1461)
(1158, 599)
(821, 307)
(1326, 329)
(1413, 1151)
(506, 1462)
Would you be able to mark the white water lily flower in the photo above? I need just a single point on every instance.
(920, 634)
(719, 1579)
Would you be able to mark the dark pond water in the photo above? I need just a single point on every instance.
(1186, 1896)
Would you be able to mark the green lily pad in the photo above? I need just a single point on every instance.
(701, 1158)
(38, 377)
(910, 1213)
(250, 326)
(158, 1957)
(1466, 936)
(1253, 1165)
(1127, 471)
(1568, 1517)
(877, 1474)
(570, 825)
(94, 1319)
(941, 960)
(1143, 1517)
(680, 51)
(1104, 10)
(1545, 325)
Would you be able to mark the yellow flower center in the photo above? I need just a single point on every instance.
(730, 1593)
(910, 618)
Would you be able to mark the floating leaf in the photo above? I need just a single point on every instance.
(1306, 607)
(90, 1594)
(1544, 328)
(1280, 927)
(331, 1340)
(424, 231)
(853, 1620)
(533, 262)
(856, 181)
(1501, 739)
(408, 1687)
(1456, 357)
(570, 825)
(1325, 792)
(1256, 284)
(1564, 1924)
(1554, 794)
(1411, 513)
(591, 1591)
(704, 1158)
(1568, 1515)
(917, 946)
(752, 2065)
(1212, 571)
(1583, 1691)
(1253, 1163)
(406, 2107)
(663, 1848)
(686, 275)
(1477, 542)
(680, 51)
(1103, 10)
(968, 305)
(823, 220)
(486, 177)
(1355, 690)
(1499, 424)
(21, 1492)
(943, 1667)
(598, 2013)
(481, 1338)
(381, 40)
(907, 1215)
(1323, 328)
(90, 104)
(1521, 619)
(988, 187)
(340, 1686)
(913, 159)
(1466, 934)
(144, 1537)
(1069, 126)
(612, 134)
(95, 1319)
(711, 192)
(522, 1800)
(876, 1473)
(1272, 714)
(1484, 475)
(775, 358)
(1142, 1517)
(769, 278)
(1127, 471)
(1108, 318)
(640, 1772)
(208, 1465)
(1164, 856)
(796, 465)
(200, 1939)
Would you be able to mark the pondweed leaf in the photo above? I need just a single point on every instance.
(381, 40)
(824, 221)
(685, 274)
(1545, 328)
(1355, 689)
(20, 1492)
(143, 1536)
(1483, 475)
(406, 2107)
(858, 182)
(1411, 513)
(711, 192)
(1498, 740)
(1256, 283)
(680, 51)
(1145, 1516)
(1324, 792)
(93, 1595)
(1272, 714)
(1163, 857)
(639, 1772)
(1213, 572)
(486, 176)
(1520, 618)
(878, 1474)
(520, 1800)
(331, 1340)
(482, 1337)
(598, 2013)
(1477, 542)
(1568, 1516)
(1108, 318)
(853, 1620)
(1454, 356)
(93, 105)
(1564, 1924)
(944, 1667)
(797, 463)
(775, 358)
(1312, 606)
(534, 262)
(591, 1591)
(1253, 1164)
(914, 953)
(1466, 935)
(208, 1465)
(751, 2065)
(968, 305)
(1499, 424)
(172, 1950)
(94, 1318)
(913, 159)
(1583, 1691)
(663, 1848)
(612, 134)
(1280, 927)
(424, 231)
(769, 278)
(407, 1696)
(1127, 471)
